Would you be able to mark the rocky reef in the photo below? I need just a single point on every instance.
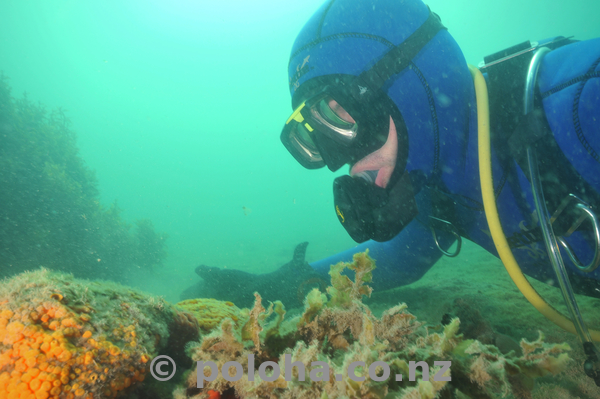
(51, 212)
(337, 329)
(61, 337)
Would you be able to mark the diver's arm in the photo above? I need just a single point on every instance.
(400, 261)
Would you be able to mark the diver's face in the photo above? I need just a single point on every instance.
(382, 161)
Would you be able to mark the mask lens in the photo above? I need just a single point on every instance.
(334, 113)
(337, 123)
(301, 140)
(296, 138)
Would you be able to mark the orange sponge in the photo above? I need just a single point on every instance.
(66, 338)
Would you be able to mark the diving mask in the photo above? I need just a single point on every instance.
(330, 129)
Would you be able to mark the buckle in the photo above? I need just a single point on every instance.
(573, 205)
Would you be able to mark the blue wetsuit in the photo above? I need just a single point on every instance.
(569, 87)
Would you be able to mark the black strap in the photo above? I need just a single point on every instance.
(558, 175)
(513, 133)
(397, 59)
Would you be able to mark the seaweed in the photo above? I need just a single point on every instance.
(337, 329)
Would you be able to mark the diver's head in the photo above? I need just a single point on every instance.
(370, 84)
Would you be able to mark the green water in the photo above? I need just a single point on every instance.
(178, 107)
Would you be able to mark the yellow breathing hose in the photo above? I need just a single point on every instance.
(491, 213)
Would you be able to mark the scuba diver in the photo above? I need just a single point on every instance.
(505, 155)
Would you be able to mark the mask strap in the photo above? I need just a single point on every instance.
(396, 60)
